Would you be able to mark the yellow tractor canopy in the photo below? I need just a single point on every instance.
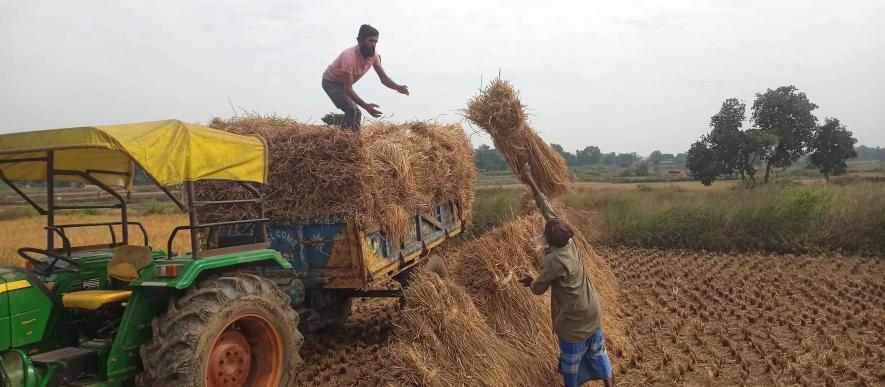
(171, 152)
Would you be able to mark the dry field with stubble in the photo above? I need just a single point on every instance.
(700, 318)
(29, 232)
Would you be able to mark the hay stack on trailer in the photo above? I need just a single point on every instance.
(379, 177)
(498, 110)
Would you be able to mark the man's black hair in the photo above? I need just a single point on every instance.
(557, 232)
(366, 31)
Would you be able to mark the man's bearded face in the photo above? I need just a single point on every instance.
(367, 46)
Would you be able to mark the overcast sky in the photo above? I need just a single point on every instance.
(624, 76)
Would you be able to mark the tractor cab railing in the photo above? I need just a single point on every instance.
(59, 229)
(259, 230)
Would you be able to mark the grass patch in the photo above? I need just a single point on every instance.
(84, 212)
(779, 217)
(589, 173)
(494, 205)
(17, 212)
(157, 207)
(496, 178)
(855, 179)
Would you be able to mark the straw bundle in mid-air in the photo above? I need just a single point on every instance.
(498, 110)
(379, 177)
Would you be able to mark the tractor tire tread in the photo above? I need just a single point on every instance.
(167, 358)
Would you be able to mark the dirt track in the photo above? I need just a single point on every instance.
(695, 319)
(354, 355)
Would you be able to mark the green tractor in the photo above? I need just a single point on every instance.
(123, 312)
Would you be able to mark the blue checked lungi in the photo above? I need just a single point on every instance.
(587, 360)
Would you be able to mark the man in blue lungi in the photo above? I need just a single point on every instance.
(577, 320)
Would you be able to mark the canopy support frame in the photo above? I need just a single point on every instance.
(259, 233)
(50, 199)
(40, 209)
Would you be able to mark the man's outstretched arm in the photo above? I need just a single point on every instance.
(386, 81)
(540, 199)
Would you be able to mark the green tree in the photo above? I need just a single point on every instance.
(641, 168)
(726, 139)
(732, 151)
(702, 163)
(756, 145)
(589, 155)
(489, 159)
(786, 114)
(656, 157)
(570, 158)
(831, 145)
(627, 159)
(610, 158)
(738, 151)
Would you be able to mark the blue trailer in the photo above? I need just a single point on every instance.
(336, 260)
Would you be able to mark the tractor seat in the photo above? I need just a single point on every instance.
(93, 299)
(123, 267)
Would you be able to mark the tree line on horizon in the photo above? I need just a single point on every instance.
(489, 159)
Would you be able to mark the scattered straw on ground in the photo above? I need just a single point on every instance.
(379, 177)
(498, 111)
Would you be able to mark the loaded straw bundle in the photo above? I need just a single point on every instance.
(379, 177)
(498, 111)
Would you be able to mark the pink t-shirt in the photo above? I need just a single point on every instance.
(350, 61)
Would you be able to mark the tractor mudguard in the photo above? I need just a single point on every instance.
(180, 273)
(17, 370)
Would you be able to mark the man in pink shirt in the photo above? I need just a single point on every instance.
(347, 69)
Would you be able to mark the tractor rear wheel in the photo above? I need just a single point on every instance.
(231, 330)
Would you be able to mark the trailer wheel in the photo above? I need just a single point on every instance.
(232, 330)
(328, 308)
(405, 277)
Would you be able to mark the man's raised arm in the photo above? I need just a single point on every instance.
(540, 199)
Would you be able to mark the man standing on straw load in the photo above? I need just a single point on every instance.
(347, 69)
(577, 320)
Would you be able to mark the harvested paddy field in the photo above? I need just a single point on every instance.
(692, 318)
